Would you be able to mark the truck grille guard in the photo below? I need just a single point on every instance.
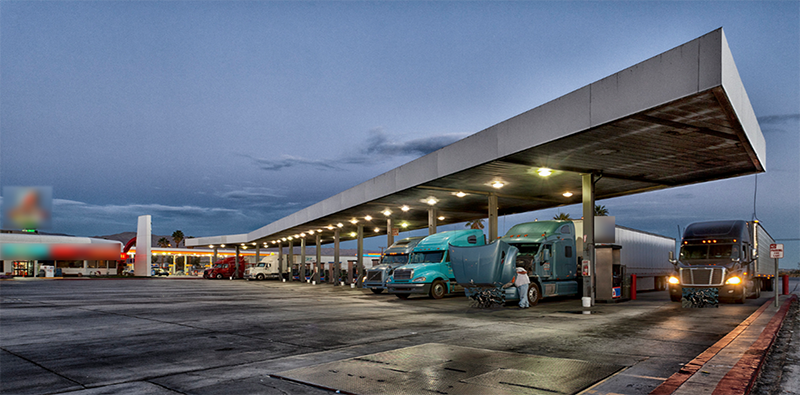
(702, 276)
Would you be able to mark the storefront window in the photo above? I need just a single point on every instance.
(70, 264)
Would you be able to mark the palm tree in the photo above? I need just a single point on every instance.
(474, 224)
(600, 211)
(163, 243)
(562, 217)
(177, 237)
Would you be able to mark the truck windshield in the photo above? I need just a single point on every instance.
(528, 249)
(427, 257)
(714, 251)
(399, 258)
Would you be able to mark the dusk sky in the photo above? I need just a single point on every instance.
(220, 117)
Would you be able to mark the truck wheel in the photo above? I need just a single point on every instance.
(260, 277)
(675, 298)
(376, 290)
(740, 300)
(534, 294)
(402, 296)
(438, 289)
(756, 289)
(219, 276)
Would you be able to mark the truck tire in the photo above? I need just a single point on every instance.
(402, 296)
(219, 276)
(376, 290)
(756, 289)
(534, 294)
(675, 298)
(260, 277)
(741, 299)
(438, 289)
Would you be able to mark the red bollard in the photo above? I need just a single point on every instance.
(785, 284)
(633, 287)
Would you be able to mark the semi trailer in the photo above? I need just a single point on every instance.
(722, 261)
(551, 252)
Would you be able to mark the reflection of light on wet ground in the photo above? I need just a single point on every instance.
(446, 369)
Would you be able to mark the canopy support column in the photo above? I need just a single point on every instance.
(587, 181)
(432, 221)
(336, 264)
(302, 268)
(360, 256)
(389, 233)
(320, 266)
(492, 218)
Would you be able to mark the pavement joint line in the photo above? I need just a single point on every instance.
(690, 369)
(740, 379)
(43, 367)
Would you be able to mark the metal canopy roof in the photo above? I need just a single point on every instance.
(679, 118)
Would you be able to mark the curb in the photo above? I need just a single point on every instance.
(745, 372)
(741, 378)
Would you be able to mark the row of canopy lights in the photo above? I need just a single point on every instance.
(430, 200)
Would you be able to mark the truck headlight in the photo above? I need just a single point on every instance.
(733, 280)
(673, 280)
(419, 279)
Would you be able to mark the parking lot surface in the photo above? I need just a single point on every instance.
(174, 336)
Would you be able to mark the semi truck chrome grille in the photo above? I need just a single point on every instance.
(702, 276)
(403, 274)
(374, 275)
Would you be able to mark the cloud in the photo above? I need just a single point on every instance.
(379, 143)
(291, 161)
(139, 209)
(250, 193)
(377, 148)
(773, 119)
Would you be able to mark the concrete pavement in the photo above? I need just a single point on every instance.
(733, 364)
(163, 336)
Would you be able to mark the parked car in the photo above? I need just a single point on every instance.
(160, 272)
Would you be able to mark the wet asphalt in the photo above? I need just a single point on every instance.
(194, 336)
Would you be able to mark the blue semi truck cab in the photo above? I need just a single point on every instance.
(398, 254)
(547, 250)
(429, 271)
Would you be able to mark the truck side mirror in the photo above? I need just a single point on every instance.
(672, 258)
(546, 255)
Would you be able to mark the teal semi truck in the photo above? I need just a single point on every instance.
(398, 254)
(429, 272)
(546, 249)
(722, 261)
(550, 251)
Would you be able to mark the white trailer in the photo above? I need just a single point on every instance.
(644, 254)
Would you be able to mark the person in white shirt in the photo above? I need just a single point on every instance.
(521, 281)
